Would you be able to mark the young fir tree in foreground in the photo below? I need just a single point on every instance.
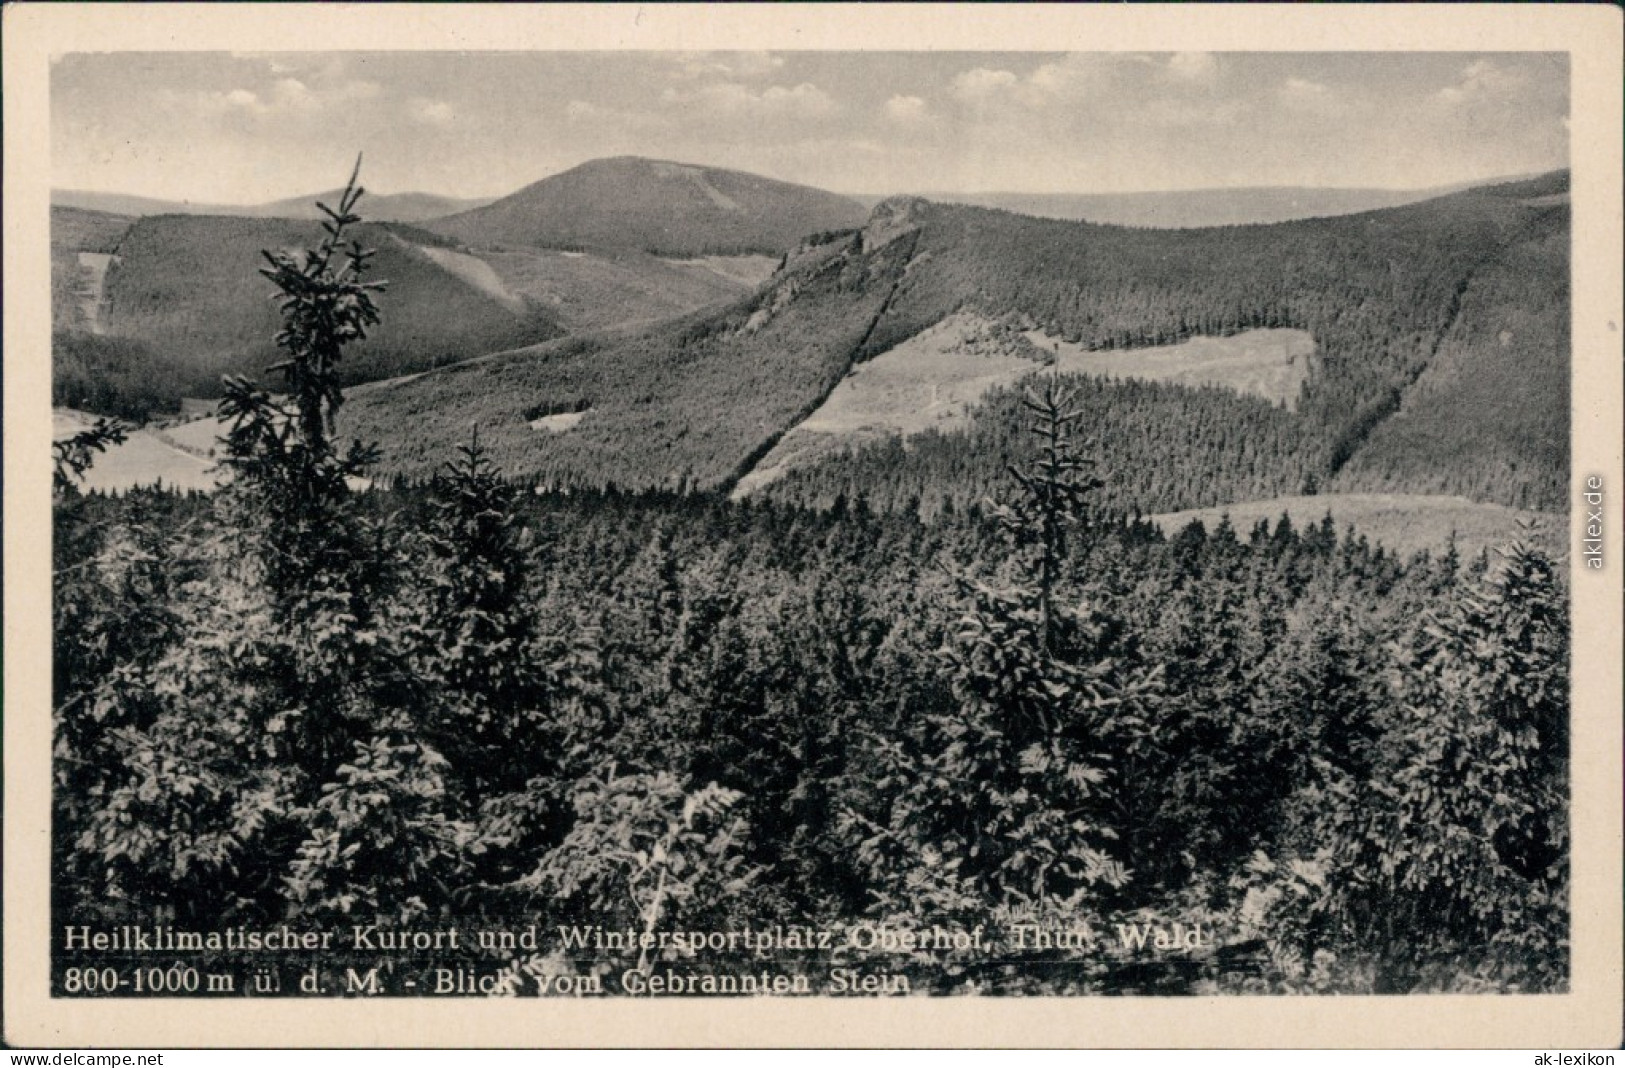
(1003, 800)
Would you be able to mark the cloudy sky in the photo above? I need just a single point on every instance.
(234, 127)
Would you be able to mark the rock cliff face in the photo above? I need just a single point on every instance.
(891, 219)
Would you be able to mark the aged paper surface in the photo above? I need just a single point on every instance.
(1588, 1014)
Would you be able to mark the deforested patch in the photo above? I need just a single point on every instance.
(929, 381)
(1268, 363)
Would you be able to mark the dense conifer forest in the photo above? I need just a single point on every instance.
(461, 703)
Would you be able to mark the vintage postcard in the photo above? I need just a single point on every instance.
(812, 525)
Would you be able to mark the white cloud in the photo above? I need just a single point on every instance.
(980, 84)
(1192, 66)
(596, 119)
(727, 65)
(1481, 80)
(1088, 77)
(582, 111)
(293, 93)
(430, 112)
(285, 96)
(1169, 112)
(212, 103)
(907, 109)
(733, 100)
(1310, 97)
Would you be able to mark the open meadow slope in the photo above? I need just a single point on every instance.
(143, 458)
(935, 380)
(1405, 524)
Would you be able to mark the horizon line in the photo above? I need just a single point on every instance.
(927, 194)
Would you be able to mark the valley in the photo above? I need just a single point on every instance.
(884, 361)
(1218, 365)
(645, 241)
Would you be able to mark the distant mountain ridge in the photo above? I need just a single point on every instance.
(1195, 208)
(381, 207)
(656, 206)
(1171, 209)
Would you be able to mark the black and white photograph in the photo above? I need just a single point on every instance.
(616, 524)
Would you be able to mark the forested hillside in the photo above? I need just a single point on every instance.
(226, 325)
(146, 337)
(89, 370)
(688, 403)
(1162, 448)
(1489, 418)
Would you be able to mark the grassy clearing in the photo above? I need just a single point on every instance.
(1404, 523)
(76, 282)
(934, 379)
(143, 459)
(92, 290)
(557, 424)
